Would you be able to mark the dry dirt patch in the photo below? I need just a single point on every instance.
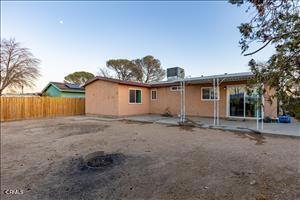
(47, 160)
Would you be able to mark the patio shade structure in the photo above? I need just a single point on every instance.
(216, 81)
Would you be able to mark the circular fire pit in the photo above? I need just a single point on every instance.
(99, 160)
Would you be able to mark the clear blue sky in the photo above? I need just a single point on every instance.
(201, 37)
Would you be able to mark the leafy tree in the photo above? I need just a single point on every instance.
(146, 69)
(125, 69)
(19, 68)
(151, 68)
(275, 22)
(79, 77)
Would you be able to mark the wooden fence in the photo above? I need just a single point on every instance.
(16, 108)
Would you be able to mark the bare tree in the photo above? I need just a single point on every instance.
(19, 68)
(105, 73)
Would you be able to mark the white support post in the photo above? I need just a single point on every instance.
(218, 103)
(262, 108)
(257, 113)
(183, 88)
(214, 91)
(181, 103)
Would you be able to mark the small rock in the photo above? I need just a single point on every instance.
(252, 182)
(206, 187)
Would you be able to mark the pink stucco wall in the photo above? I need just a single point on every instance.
(126, 108)
(101, 98)
(270, 103)
(107, 98)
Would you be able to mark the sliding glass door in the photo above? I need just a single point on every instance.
(240, 104)
(236, 101)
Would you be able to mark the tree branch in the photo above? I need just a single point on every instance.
(254, 52)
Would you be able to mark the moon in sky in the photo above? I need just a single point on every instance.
(61, 21)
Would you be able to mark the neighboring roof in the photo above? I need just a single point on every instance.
(196, 80)
(65, 87)
(116, 81)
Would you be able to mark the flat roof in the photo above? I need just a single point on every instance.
(195, 80)
(208, 79)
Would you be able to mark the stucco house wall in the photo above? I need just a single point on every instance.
(126, 108)
(167, 100)
(102, 98)
(112, 99)
(194, 105)
(270, 103)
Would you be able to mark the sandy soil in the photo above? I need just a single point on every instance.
(44, 159)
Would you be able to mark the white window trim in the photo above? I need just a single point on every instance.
(129, 95)
(218, 92)
(151, 95)
(178, 88)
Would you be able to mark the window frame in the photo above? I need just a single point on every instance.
(178, 88)
(135, 89)
(245, 95)
(151, 97)
(210, 91)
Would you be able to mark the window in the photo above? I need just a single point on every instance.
(135, 96)
(208, 94)
(175, 88)
(153, 94)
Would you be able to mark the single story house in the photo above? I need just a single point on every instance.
(56, 89)
(112, 97)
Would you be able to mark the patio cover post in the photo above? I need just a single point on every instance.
(182, 100)
(214, 92)
(181, 110)
(183, 84)
(218, 103)
(257, 113)
(262, 108)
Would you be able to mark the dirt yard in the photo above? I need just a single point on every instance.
(45, 159)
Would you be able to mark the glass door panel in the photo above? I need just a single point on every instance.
(236, 101)
(251, 106)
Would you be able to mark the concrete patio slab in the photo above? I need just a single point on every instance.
(292, 129)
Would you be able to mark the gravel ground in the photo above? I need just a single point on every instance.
(45, 159)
